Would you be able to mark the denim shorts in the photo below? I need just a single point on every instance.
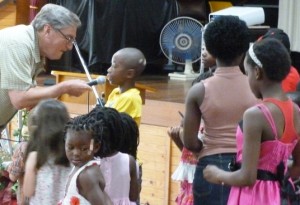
(206, 193)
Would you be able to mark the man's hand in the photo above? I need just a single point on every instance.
(75, 87)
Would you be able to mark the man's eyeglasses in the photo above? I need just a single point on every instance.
(68, 38)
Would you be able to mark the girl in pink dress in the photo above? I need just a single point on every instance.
(119, 169)
(268, 134)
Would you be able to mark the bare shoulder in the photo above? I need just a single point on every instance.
(196, 93)
(132, 163)
(91, 176)
(254, 117)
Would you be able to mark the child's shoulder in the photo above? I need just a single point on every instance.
(90, 173)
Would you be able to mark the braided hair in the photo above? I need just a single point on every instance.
(105, 126)
(131, 135)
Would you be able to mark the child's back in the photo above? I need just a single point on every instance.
(46, 167)
(51, 182)
(118, 171)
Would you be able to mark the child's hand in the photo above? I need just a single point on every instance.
(174, 132)
(211, 173)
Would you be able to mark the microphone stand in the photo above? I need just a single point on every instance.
(99, 102)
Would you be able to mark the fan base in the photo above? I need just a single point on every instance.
(183, 76)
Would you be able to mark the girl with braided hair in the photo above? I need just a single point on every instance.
(131, 135)
(119, 169)
(84, 140)
(130, 144)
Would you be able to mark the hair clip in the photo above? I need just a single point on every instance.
(91, 146)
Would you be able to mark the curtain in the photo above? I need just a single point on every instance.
(108, 25)
(289, 21)
(33, 9)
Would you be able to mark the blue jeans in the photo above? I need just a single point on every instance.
(206, 193)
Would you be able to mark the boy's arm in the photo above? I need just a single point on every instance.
(134, 186)
(89, 182)
(30, 174)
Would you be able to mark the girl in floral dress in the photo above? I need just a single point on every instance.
(46, 164)
(185, 170)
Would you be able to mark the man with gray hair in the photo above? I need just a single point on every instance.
(23, 49)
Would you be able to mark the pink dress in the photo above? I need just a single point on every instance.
(271, 154)
(115, 170)
(185, 174)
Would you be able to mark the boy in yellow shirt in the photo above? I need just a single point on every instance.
(126, 65)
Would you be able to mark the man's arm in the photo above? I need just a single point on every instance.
(29, 98)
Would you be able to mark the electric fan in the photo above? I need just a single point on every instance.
(181, 42)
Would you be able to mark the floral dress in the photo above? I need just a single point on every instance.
(185, 174)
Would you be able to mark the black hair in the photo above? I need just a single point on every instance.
(105, 126)
(226, 38)
(280, 35)
(203, 76)
(274, 57)
(131, 135)
(46, 125)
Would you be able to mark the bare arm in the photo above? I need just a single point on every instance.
(295, 168)
(134, 187)
(253, 122)
(30, 174)
(30, 97)
(89, 185)
(193, 117)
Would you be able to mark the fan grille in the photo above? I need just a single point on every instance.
(180, 40)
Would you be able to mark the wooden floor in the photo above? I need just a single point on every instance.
(166, 89)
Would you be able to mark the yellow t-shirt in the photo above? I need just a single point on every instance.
(129, 102)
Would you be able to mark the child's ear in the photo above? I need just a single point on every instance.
(96, 147)
(131, 73)
(258, 73)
